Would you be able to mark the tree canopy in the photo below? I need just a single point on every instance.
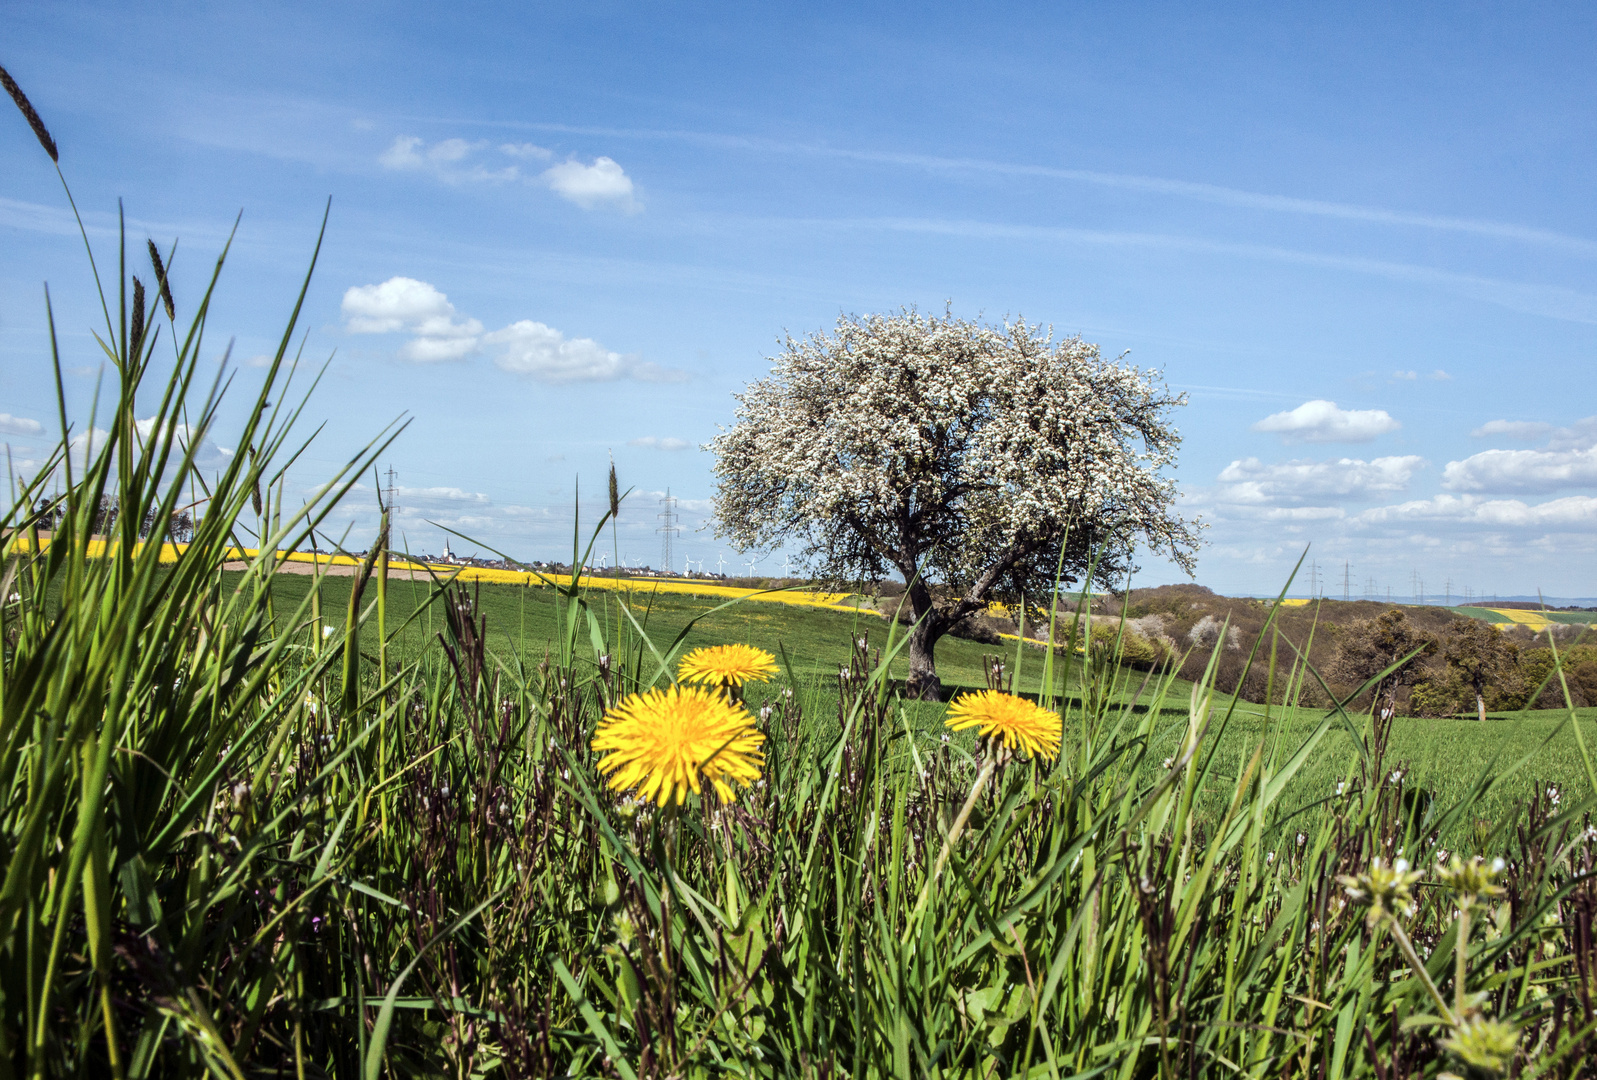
(1368, 647)
(961, 455)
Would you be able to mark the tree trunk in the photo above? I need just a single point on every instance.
(1480, 706)
(923, 682)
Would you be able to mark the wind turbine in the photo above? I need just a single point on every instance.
(687, 565)
(604, 560)
(751, 564)
(784, 565)
(720, 561)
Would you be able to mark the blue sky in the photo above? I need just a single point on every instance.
(1362, 241)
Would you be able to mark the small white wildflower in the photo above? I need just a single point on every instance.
(1397, 776)
(1341, 787)
(1302, 839)
(1553, 796)
(1169, 762)
(1269, 858)
(1400, 865)
(1498, 865)
(328, 631)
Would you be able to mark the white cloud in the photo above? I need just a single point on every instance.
(655, 442)
(1575, 511)
(439, 333)
(403, 154)
(603, 182)
(403, 304)
(19, 425)
(449, 160)
(1322, 421)
(427, 501)
(1406, 376)
(544, 353)
(1439, 376)
(1513, 429)
(1251, 482)
(461, 161)
(1522, 470)
(1580, 435)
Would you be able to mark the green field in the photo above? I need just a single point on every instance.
(1444, 757)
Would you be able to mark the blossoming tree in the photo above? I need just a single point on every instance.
(959, 454)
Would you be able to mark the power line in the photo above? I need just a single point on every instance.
(392, 507)
(668, 529)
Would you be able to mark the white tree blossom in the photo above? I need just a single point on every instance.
(960, 455)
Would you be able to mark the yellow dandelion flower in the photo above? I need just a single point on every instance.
(668, 742)
(727, 665)
(1018, 722)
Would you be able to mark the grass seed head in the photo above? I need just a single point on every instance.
(160, 280)
(29, 114)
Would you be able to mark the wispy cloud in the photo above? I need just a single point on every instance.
(1550, 301)
(1512, 429)
(1241, 198)
(656, 442)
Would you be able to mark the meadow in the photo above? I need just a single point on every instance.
(1444, 757)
